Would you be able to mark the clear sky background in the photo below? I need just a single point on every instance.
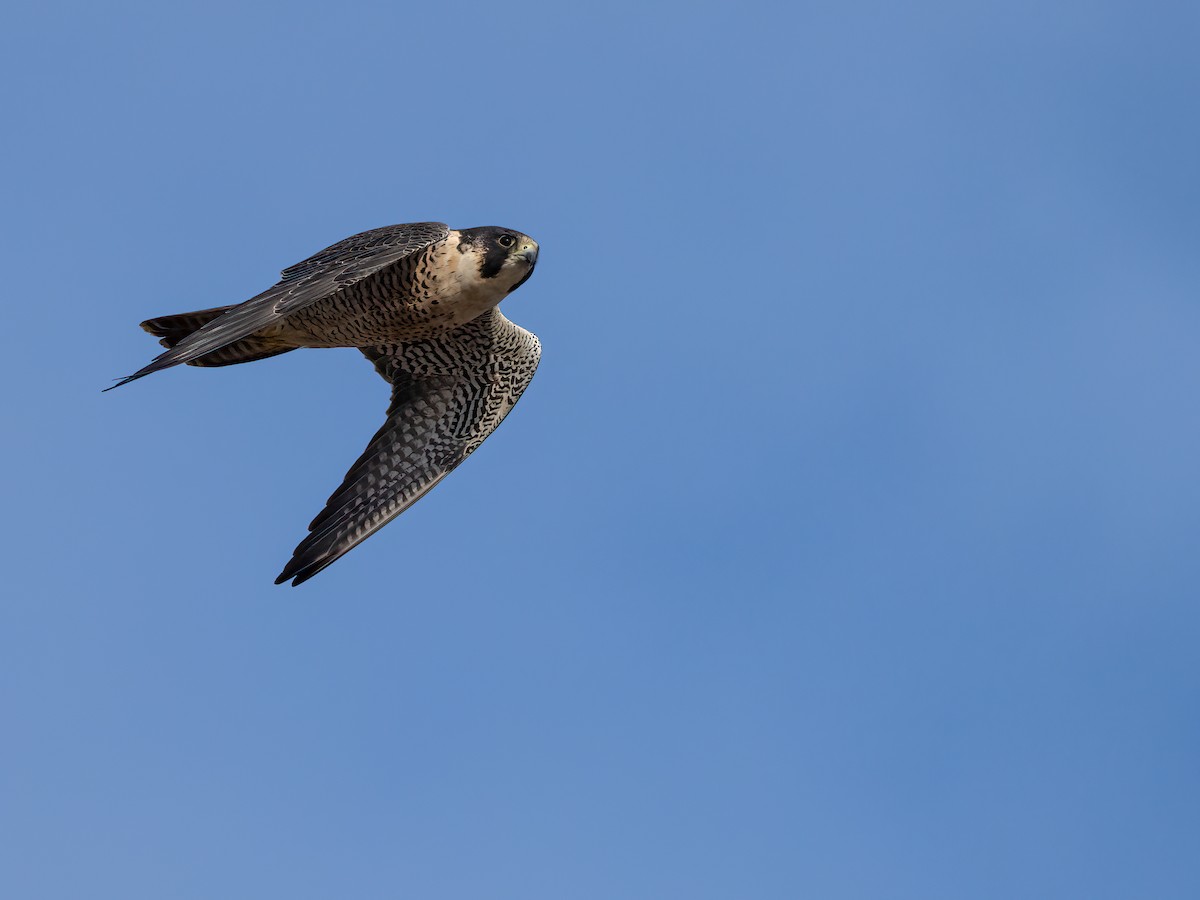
(845, 545)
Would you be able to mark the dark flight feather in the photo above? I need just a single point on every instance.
(448, 395)
(320, 276)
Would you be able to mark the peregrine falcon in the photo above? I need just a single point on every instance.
(421, 303)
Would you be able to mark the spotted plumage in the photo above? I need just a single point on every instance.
(420, 301)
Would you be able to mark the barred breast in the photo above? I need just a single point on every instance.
(422, 296)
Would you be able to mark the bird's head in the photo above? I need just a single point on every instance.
(501, 253)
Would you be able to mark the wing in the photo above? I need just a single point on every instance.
(448, 395)
(321, 275)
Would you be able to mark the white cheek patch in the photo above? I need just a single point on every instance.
(466, 267)
(462, 289)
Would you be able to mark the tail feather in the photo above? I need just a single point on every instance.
(172, 329)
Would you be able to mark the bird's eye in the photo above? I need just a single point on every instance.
(506, 240)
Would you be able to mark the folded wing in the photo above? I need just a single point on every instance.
(321, 275)
(448, 395)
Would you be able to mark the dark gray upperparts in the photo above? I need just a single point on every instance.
(322, 274)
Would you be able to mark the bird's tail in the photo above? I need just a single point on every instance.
(173, 329)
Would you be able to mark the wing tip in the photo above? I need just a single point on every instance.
(298, 570)
(122, 381)
(160, 362)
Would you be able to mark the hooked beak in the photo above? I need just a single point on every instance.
(529, 253)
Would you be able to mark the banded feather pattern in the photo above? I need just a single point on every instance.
(421, 303)
(325, 276)
(448, 395)
(172, 329)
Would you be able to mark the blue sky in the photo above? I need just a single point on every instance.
(844, 545)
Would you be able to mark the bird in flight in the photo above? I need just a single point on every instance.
(421, 303)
